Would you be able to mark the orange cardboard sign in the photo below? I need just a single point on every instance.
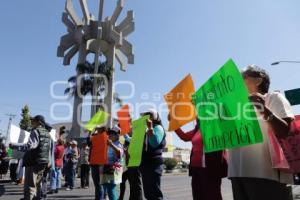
(124, 119)
(99, 149)
(179, 100)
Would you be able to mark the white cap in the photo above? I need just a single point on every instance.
(153, 112)
(115, 129)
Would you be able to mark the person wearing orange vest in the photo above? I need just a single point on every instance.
(96, 161)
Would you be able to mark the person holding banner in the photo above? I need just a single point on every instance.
(96, 160)
(206, 170)
(112, 172)
(36, 158)
(152, 162)
(250, 168)
(132, 174)
(125, 174)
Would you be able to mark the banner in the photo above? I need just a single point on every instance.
(101, 150)
(179, 100)
(227, 117)
(136, 145)
(19, 136)
(98, 119)
(124, 119)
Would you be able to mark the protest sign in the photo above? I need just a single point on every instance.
(98, 119)
(101, 150)
(135, 148)
(124, 119)
(179, 100)
(227, 117)
(19, 136)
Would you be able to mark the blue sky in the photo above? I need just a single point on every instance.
(172, 38)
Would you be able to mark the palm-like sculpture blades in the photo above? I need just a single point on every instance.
(88, 35)
(83, 33)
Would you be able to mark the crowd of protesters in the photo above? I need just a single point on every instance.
(249, 168)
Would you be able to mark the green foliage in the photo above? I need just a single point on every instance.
(25, 121)
(184, 165)
(170, 163)
(86, 84)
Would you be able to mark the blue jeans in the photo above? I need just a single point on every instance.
(111, 190)
(55, 180)
(96, 179)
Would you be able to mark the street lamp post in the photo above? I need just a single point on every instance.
(285, 61)
(291, 95)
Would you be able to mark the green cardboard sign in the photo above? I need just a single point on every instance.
(227, 117)
(136, 145)
(98, 119)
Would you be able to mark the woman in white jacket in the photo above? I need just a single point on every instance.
(250, 168)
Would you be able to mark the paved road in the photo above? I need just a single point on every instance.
(175, 187)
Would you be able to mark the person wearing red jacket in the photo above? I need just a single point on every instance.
(56, 170)
(206, 169)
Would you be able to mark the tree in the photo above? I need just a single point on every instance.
(25, 121)
(170, 163)
(86, 83)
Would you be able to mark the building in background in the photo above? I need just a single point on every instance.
(182, 155)
(169, 138)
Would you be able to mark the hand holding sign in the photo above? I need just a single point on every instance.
(228, 118)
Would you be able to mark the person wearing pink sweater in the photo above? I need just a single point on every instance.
(206, 169)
